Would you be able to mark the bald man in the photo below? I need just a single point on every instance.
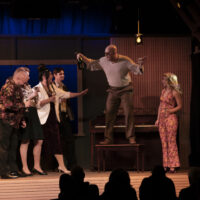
(116, 68)
(11, 118)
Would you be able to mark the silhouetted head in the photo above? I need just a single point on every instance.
(67, 187)
(158, 171)
(194, 175)
(119, 177)
(78, 173)
(93, 191)
(65, 182)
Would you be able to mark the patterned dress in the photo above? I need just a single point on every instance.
(168, 125)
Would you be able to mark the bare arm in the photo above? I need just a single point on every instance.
(158, 117)
(178, 102)
(92, 65)
(45, 101)
(72, 95)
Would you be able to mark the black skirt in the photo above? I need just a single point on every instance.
(52, 143)
(33, 130)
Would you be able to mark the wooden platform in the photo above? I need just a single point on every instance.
(46, 187)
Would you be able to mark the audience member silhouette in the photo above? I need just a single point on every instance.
(83, 189)
(93, 192)
(73, 187)
(118, 187)
(67, 187)
(157, 186)
(193, 191)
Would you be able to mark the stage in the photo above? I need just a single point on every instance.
(46, 187)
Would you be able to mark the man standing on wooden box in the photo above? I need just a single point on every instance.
(116, 68)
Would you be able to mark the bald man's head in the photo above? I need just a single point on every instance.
(111, 48)
(111, 52)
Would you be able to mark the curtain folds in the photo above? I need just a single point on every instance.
(73, 21)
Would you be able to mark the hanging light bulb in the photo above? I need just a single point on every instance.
(139, 39)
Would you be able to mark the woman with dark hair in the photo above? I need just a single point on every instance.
(48, 112)
(167, 121)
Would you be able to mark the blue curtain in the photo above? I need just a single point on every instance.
(70, 80)
(73, 21)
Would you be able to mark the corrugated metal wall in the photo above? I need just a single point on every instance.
(163, 54)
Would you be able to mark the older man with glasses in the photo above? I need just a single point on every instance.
(11, 119)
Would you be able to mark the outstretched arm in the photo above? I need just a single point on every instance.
(66, 94)
(72, 95)
(82, 57)
(92, 65)
(46, 101)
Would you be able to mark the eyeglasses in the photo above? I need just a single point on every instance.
(108, 53)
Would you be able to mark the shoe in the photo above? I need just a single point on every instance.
(19, 174)
(106, 141)
(132, 141)
(23, 174)
(61, 171)
(35, 171)
(10, 175)
(14, 173)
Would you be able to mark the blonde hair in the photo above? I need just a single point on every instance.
(173, 81)
(21, 69)
(21, 73)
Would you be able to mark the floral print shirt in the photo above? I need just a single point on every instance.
(11, 104)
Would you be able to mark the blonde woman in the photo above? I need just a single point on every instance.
(167, 121)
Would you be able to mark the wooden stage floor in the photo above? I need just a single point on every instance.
(46, 187)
